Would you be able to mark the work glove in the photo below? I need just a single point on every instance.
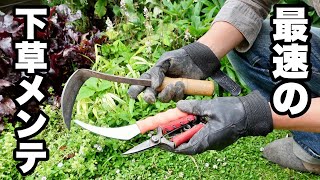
(229, 118)
(194, 61)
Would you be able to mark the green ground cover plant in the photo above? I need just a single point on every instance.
(137, 34)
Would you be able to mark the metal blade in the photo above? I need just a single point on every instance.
(141, 147)
(122, 133)
(119, 79)
(76, 80)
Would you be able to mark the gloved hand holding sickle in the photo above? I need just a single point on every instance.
(227, 118)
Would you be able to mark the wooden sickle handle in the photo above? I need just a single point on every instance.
(192, 86)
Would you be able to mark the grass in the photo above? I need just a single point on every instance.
(77, 153)
(242, 160)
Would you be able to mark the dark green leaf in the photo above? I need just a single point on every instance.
(100, 8)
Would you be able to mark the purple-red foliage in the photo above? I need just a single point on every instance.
(68, 51)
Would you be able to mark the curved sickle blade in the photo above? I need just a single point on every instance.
(76, 80)
(141, 147)
(122, 133)
(69, 94)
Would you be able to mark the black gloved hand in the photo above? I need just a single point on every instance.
(194, 61)
(229, 118)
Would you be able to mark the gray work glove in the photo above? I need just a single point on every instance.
(194, 61)
(229, 118)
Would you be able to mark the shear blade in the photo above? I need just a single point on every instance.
(141, 147)
(122, 133)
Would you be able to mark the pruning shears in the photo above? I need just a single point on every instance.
(170, 135)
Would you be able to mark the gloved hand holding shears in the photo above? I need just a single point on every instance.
(223, 121)
(228, 119)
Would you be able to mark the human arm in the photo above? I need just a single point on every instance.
(222, 38)
(309, 122)
(247, 17)
(230, 118)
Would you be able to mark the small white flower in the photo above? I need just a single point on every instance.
(149, 50)
(124, 8)
(181, 174)
(95, 146)
(109, 24)
(146, 12)
(187, 35)
(215, 166)
(206, 164)
(122, 4)
(219, 160)
(224, 164)
(99, 148)
(60, 164)
(44, 178)
(118, 171)
(262, 149)
(224, 159)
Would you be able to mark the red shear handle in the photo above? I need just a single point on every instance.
(176, 124)
(152, 122)
(187, 135)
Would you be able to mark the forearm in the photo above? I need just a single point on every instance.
(309, 122)
(237, 25)
(222, 38)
